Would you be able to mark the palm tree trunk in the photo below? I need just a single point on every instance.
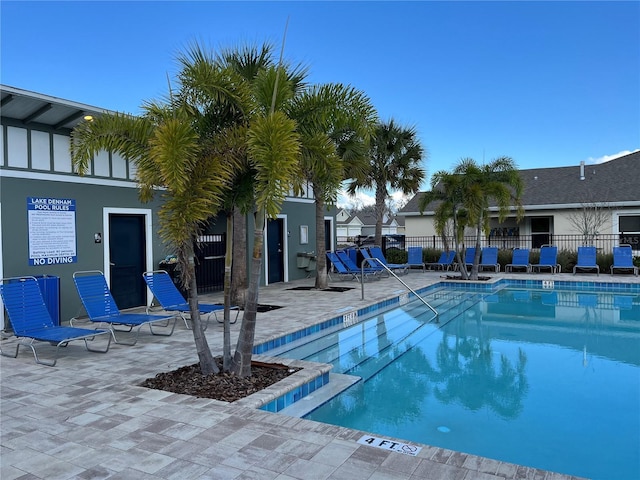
(456, 243)
(207, 362)
(239, 267)
(241, 364)
(380, 199)
(476, 258)
(322, 281)
(228, 263)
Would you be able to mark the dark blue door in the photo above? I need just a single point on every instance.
(127, 252)
(275, 250)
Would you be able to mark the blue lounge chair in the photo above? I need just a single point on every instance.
(445, 262)
(586, 260)
(548, 259)
(519, 259)
(414, 258)
(376, 252)
(371, 264)
(101, 308)
(171, 300)
(623, 260)
(469, 255)
(341, 270)
(489, 259)
(31, 321)
(354, 269)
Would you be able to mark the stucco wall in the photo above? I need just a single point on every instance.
(90, 202)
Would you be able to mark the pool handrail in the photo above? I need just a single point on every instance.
(373, 259)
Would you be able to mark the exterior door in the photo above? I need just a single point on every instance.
(327, 240)
(540, 231)
(275, 250)
(127, 260)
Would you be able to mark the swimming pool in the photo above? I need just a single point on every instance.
(547, 378)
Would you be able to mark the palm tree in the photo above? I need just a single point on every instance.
(395, 164)
(169, 152)
(334, 123)
(464, 196)
(497, 181)
(274, 150)
(191, 146)
(448, 194)
(252, 137)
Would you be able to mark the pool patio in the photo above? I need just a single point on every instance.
(86, 418)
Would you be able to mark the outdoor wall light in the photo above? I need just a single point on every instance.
(88, 118)
(97, 237)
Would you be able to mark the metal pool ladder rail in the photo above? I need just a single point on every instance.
(367, 260)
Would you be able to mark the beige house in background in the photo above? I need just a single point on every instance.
(552, 197)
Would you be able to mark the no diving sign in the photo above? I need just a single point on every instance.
(398, 447)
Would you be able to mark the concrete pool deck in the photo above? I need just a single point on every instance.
(86, 418)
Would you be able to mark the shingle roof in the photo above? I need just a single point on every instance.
(615, 181)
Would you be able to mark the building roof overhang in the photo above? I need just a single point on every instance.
(28, 108)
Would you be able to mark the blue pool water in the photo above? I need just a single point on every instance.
(544, 378)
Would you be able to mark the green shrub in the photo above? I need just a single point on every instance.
(567, 259)
(431, 255)
(504, 258)
(394, 255)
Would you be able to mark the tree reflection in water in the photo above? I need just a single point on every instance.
(466, 372)
(392, 398)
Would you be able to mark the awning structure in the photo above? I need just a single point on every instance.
(27, 108)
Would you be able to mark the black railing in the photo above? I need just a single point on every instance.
(604, 243)
(210, 253)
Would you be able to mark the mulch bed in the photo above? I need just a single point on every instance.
(330, 289)
(221, 386)
(458, 277)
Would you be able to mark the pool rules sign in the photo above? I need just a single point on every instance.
(52, 230)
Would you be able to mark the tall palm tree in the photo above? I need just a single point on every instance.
(169, 152)
(243, 115)
(395, 163)
(191, 145)
(273, 152)
(334, 122)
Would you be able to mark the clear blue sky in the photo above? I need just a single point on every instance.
(546, 83)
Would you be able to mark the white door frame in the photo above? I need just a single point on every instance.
(285, 249)
(332, 245)
(148, 233)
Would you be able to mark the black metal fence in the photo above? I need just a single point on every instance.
(604, 243)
